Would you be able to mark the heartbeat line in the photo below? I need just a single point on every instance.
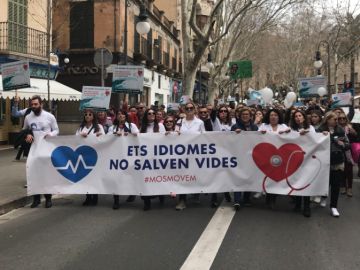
(74, 169)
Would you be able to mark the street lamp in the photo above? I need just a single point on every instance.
(318, 63)
(142, 27)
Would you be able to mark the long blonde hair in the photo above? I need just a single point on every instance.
(327, 116)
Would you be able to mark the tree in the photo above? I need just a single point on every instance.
(194, 48)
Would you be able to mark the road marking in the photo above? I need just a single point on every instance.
(204, 252)
(6, 148)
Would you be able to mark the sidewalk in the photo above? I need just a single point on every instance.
(12, 180)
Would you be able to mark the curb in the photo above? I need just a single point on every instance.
(15, 204)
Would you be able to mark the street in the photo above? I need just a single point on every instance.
(70, 236)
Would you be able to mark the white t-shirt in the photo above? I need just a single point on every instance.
(193, 126)
(90, 130)
(268, 128)
(218, 126)
(44, 122)
(133, 128)
(150, 128)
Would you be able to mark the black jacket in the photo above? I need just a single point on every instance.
(241, 125)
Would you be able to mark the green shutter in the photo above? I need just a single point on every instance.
(17, 26)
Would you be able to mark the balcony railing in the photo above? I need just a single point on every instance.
(167, 23)
(21, 39)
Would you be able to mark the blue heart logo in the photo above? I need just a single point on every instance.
(74, 165)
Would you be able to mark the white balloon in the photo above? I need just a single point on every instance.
(267, 94)
(250, 90)
(291, 96)
(287, 104)
(322, 91)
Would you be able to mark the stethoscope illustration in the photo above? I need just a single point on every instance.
(276, 161)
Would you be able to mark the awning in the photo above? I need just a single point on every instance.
(39, 87)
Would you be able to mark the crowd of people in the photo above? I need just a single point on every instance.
(194, 118)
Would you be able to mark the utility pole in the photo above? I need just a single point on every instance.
(48, 46)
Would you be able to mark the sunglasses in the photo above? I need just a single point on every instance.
(150, 113)
(223, 111)
(189, 109)
(88, 114)
(166, 122)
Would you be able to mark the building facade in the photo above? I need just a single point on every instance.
(79, 28)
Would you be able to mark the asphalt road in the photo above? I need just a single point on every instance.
(70, 236)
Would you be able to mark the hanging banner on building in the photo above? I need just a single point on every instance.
(341, 100)
(15, 75)
(153, 164)
(128, 79)
(95, 97)
(309, 86)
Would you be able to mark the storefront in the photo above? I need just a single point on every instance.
(65, 102)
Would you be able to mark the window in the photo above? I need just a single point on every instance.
(159, 81)
(82, 25)
(17, 32)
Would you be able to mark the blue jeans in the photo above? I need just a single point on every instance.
(237, 197)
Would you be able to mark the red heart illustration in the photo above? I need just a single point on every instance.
(273, 162)
(140, 72)
(107, 93)
(25, 67)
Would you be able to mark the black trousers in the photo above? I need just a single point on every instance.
(336, 177)
(299, 199)
(37, 197)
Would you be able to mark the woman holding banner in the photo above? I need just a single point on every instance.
(221, 121)
(122, 127)
(190, 124)
(338, 145)
(299, 123)
(90, 127)
(149, 124)
(273, 123)
(244, 123)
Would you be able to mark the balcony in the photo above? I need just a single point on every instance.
(22, 40)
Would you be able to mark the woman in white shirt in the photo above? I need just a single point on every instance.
(189, 125)
(223, 120)
(122, 127)
(299, 123)
(149, 124)
(90, 127)
(273, 123)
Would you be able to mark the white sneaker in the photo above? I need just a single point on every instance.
(317, 199)
(335, 212)
(323, 202)
(257, 195)
(181, 205)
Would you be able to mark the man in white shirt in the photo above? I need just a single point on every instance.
(42, 124)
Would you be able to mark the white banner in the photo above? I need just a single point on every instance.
(95, 97)
(154, 164)
(128, 79)
(15, 75)
(309, 86)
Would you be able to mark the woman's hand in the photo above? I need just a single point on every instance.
(167, 133)
(126, 133)
(98, 134)
(238, 130)
(119, 133)
(325, 133)
(263, 131)
(303, 131)
(84, 134)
